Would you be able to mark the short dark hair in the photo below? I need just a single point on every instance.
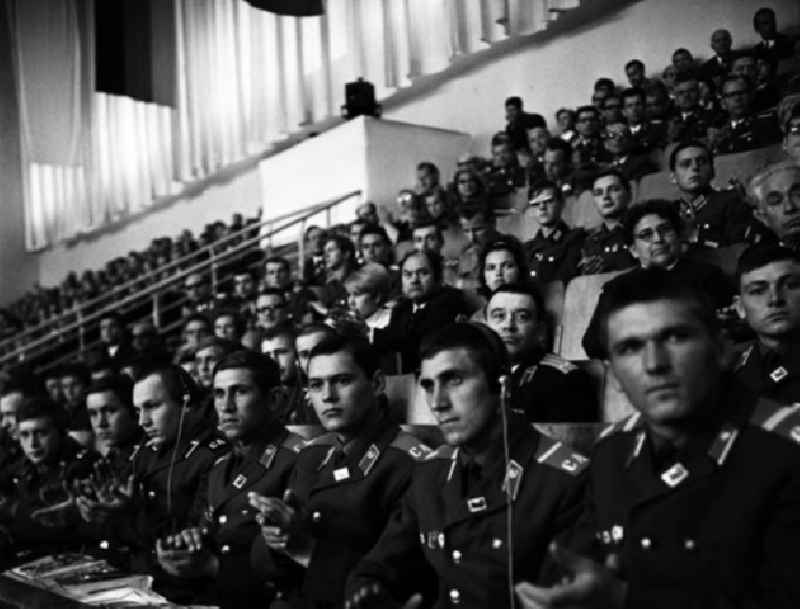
(643, 286)
(616, 173)
(633, 92)
(41, 407)
(265, 373)
(364, 355)
(434, 260)
(682, 51)
(111, 315)
(224, 345)
(118, 384)
(762, 254)
(506, 243)
(272, 292)
(429, 225)
(514, 100)
(343, 243)
(591, 109)
(178, 384)
(603, 82)
(561, 111)
(556, 143)
(634, 62)
(428, 166)
(279, 260)
(683, 145)
(198, 317)
(764, 10)
(375, 229)
(487, 346)
(312, 228)
(525, 287)
(238, 320)
(662, 208)
(284, 329)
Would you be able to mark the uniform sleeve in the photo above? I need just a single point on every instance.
(778, 577)
(397, 561)
(738, 219)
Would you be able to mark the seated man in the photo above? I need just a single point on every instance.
(658, 105)
(635, 71)
(611, 109)
(769, 300)
(471, 510)
(660, 530)
(587, 149)
(714, 218)
(428, 238)
(478, 226)
(212, 560)
(716, 68)
(74, 380)
(37, 513)
(427, 305)
(653, 232)
(604, 248)
(314, 263)
(21, 385)
(505, 174)
(775, 192)
(555, 250)
(542, 385)
(739, 128)
(278, 345)
(791, 136)
(518, 122)
(688, 121)
(623, 156)
(772, 41)
(645, 134)
(346, 483)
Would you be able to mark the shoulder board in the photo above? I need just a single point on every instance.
(410, 444)
(81, 453)
(217, 443)
(294, 442)
(629, 423)
(445, 451)
(326, 439)
(192, 447)
(560, 456)
(135, 452)
(559, 363)
(778, 418)
(222, 459)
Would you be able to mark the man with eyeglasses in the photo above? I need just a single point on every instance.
(631, 163)
(604, 249)
(715, 218)
(653, 232)
(555, 250)
(271, 308)
(775, 192)
(740, 129)
(587, 149)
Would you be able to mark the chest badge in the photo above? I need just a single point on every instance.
(675, 475)
(341, 474)
(778, 374)
(476, 504)
(239, 481)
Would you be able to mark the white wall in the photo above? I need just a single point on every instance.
(550, 74)
(561, 71)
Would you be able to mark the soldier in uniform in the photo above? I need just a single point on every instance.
(170, 471)
(555, 250)
(37, 513)
(693, 500)
(20, 385)
(716, 218)
(689, 121)
(347, 482)
(646, 135)
(588, 152)
(476, 518)
(604, 249)
(769, 300)
(543, 386)
(775, 194)
(213, 559)
(740, 129)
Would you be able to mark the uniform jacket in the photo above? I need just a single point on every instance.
(345, 499)
(771, 375)
(755, 131)
(689, 125)
(720, 217)
(555, 258)
(610, 246)
(230, 520)
(714, 526)
(633, 166)
(451, 525)
(549, 389)
(648, 136)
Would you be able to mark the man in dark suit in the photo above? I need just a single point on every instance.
(739, 129)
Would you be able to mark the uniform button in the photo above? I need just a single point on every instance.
(497, 543)
(646, 543)
(689, 544)
(104, 545)
(456, 556)
(151, 494)
(222, 519)
(316, 516)
(455, 596)
(225, 549)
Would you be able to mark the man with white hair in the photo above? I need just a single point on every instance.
(775, 195)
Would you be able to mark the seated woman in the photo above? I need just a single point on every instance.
(501, 262)
(368, 296)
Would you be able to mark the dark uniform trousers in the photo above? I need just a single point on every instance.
(610, 246)
(555, 257)
(752, 132)
(714, 526)
(449, 541)
(771, 375)
(719, 217)
(549, 389)
(345, 496)
(27, 487)
(230, 521)
(170, 486)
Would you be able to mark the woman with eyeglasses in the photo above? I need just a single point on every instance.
(653, 230)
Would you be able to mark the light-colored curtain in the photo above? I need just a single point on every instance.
(245, 79)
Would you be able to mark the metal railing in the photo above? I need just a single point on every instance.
(74, 325)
